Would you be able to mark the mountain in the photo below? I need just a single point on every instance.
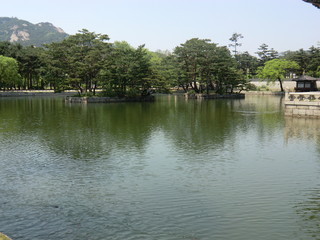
(26, 33)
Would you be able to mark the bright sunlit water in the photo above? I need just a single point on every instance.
(168, 170)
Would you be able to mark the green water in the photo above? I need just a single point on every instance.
(168, 170)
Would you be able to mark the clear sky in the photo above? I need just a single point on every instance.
(165, 24)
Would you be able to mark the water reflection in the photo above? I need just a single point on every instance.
(309, 213)
(302, 128)
(92, 131)
(297, 132)
(165, 170)
(86, 132)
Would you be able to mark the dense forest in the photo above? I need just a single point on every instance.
(87, 61)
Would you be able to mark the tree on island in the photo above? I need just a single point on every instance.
(206, 66)
(77, 60)
(247, 64)
(277, 70)
(127, 71)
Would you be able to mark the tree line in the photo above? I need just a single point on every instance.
(87, 61)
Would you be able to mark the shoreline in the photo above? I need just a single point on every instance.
(32, 93)
(86, 100)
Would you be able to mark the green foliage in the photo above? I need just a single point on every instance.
(263, 88)
(127, 69)
(235, 39)
(314, 62)
(251, 87)
(265, 54)
(277, 69)
(247, 64)
(77, 60)
(86, 61)
(9, 76)
(191, 92)
(30, 65)
(203, 66)
(308, 60)
(133, 92)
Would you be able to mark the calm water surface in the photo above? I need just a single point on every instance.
(169, 170)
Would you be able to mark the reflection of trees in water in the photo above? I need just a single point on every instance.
(97, 130)
(198, 126)
(82, 131)
(302, 129)
(309, 211)
(206, 126)
(261, 114)
(91, 131)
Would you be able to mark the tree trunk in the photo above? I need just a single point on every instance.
(185, 88)
(281, 87)
(195, 87)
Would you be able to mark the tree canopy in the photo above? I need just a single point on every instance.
(206, 66)
(87, 61)
(277, 70)
(9, 76)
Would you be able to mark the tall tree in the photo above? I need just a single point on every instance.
(30, 64)
(265, 54)
(10, 49)
(247, 64)
(313, 68)
(235, 42)
(128, 71)
(205, 66)
(301, 57)
(196, 58)
(277, 70)
(79, 58)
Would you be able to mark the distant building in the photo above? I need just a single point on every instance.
(305, 83)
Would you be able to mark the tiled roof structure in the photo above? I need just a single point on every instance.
(314, 2)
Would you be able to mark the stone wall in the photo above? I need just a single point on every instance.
(305, 104)
(214, 96)
(288, 85)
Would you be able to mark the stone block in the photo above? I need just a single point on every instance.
(290, 106)
(302, 112)
(302, 107)
(314, 107)
(288, 112)
(309, 112)
(295, 111)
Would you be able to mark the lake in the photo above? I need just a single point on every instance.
(168, 170)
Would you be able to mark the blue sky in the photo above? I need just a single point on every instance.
(165, 24)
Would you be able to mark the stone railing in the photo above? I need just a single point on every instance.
(302, 104)
(302, 98)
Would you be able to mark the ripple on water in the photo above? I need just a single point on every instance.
(208, 175)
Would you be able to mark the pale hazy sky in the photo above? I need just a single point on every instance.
(165, 24)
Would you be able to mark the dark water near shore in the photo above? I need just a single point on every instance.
(168, 170)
